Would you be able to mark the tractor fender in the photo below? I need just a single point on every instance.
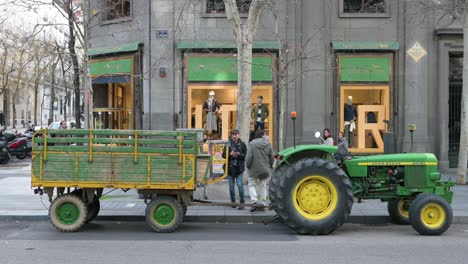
(292, 154)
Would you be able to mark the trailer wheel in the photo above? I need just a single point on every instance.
(93, 209)
(398, 210)
(164, 214)
(313, 196)
(68, 213)
(430, 214)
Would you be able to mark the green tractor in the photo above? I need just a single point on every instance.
(313, 193)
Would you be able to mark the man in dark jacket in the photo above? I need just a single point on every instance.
(259, 161)
(237, 151)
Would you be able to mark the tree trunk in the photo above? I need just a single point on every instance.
(36, 90)
(244, 91)
(5, 107)
(76, 67)
(52, 96)
(462, 157)
(13, 106)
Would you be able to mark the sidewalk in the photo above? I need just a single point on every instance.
(18, 202)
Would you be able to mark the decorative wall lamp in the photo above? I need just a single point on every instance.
(411, 129)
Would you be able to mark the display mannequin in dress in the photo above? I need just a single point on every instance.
(211, 108)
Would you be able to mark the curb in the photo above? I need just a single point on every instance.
(363, 220)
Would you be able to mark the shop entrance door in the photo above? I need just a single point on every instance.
(113, 106)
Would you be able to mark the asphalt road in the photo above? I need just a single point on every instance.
(133, 242)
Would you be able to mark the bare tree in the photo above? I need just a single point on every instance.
(244, 32)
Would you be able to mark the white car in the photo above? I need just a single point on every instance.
(56, 125)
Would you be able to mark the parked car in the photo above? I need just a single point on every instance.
(56, 125)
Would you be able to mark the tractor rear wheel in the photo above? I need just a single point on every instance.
(164, 213)
(430, 214)
(398, 210)
(68, 213)
(313, 196)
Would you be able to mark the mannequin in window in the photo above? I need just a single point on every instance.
(211, 108)
(349, 120)
(260, 112)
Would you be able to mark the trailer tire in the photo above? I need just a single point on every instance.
(164, 214)
(398, 210)
(430, 214)
(93, 209)
(68, 213)
(313, 196)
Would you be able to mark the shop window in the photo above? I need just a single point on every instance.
(116, 9)
(217, 6)
(369, 8)
(226, 117)
(364, 101)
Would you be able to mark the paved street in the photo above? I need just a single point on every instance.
(16, 168)
(133, 242)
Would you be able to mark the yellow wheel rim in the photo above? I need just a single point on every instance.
(315, 197)
(403, 208)
(433, 215)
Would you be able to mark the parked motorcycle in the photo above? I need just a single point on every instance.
(16, 146)
(4, 154)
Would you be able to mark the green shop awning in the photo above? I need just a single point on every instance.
(111, 67)
(365, 45)
(225, 45)
(114, 49)
(224, 69)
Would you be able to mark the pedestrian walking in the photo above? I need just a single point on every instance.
(259, 161)
(236, 161)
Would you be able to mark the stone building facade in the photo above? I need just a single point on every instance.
(153, 64)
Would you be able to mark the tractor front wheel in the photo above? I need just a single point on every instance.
(398, 210)
(164, 213)
(313, 196)
(430, 214)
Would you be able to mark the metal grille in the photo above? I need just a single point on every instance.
(415, 176)
(455, 94)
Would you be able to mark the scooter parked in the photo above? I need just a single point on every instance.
(4, 154)
(16, 146)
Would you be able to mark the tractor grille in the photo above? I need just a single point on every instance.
(415, 176)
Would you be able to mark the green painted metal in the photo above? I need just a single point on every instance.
(111, 67)
(67, 213)
(365, 45)
(292, 153)
(114, 49)
(224, 69)
(364, 69)
(384, 177)
(275, 45)
(164, 214)
(159, 158)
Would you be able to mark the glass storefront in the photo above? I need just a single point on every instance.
(365, 89)
(216, 75)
